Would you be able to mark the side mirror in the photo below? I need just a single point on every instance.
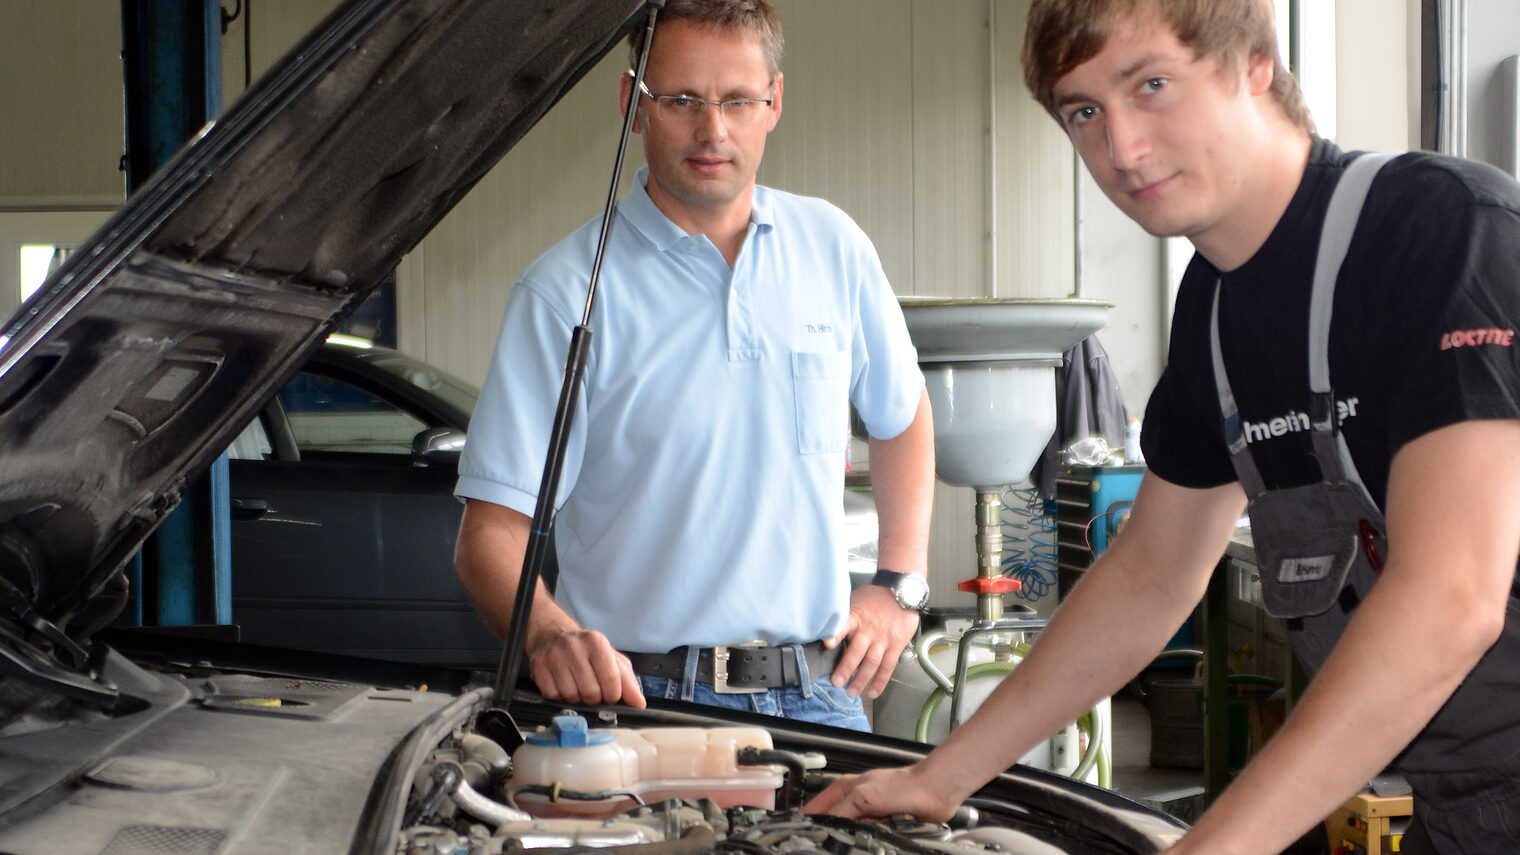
(437, 445)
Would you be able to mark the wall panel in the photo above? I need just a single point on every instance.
(1034, 179)
(950, 123)
(846, 133)
(61, 135)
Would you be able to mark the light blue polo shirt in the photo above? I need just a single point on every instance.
(701, 498)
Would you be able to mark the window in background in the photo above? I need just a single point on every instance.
(1306, 34)
(37, 261)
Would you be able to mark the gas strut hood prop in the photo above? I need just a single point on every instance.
(554, 463)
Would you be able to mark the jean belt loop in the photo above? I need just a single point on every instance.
(804, 679)
(689, 674)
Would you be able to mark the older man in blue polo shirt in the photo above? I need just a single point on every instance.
(700, 501)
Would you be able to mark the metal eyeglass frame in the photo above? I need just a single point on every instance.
(703, 103)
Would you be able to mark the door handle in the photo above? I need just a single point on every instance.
(248, 509)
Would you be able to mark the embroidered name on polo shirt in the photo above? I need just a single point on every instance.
(820, 328)
(1477, 338)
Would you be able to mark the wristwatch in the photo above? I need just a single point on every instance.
(910, 589)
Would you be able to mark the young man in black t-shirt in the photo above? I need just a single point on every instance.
(1185, 118)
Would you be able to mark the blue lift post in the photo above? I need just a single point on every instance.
(172, 59)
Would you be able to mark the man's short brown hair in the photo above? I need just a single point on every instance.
(756, 18)
(1063, 34)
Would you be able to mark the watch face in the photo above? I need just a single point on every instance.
(912, 592)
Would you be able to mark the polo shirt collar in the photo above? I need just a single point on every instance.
(651, 222)
(760, 209)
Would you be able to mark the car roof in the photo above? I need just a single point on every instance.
(424, 388)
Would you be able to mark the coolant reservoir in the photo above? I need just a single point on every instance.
(573, 756)
(615, 765)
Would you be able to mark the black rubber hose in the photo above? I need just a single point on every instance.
(791, 789)
(444, 780)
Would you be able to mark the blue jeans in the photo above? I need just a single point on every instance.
(817, 701)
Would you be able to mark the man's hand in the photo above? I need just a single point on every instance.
(883, 793)
(580, 666)
(875, 634)
(568, 663)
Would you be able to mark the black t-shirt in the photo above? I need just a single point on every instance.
(1422, 336)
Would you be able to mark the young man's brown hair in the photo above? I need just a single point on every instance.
(1063, 34)
(757, 18)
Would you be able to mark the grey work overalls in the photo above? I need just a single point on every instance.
(1320, 546)
(1316, 544)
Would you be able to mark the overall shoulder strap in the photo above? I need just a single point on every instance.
(1341, 217)
(1335, 238)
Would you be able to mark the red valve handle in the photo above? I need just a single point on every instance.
(991, 585)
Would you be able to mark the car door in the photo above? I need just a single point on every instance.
(342, 538)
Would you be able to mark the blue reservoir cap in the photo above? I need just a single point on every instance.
(569, 731)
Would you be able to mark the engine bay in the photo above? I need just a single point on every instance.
(673, 791)
(681, 787)
(677, 827)
(227, 749)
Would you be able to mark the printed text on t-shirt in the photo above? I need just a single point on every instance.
(1295, 421)
(1473, 338)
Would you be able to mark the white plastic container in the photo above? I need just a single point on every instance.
(649, 763)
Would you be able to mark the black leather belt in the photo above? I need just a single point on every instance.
(740, 668)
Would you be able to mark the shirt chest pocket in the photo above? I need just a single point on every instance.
(821, 384)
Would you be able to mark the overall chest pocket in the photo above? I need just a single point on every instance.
(1309, 547)
(821, 385)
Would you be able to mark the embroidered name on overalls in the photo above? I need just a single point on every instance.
(1311, 569)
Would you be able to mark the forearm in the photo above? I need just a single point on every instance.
(567, 662)
(1351, 722)
(902, 482)
(488, 559)
(1138, 593)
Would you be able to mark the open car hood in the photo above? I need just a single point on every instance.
(136, 364)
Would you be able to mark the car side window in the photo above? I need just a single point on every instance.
(331, 416)
(252, 443)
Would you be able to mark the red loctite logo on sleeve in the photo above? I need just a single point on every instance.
(1475, 338)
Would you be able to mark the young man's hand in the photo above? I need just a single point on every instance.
(883, 793)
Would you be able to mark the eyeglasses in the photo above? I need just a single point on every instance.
(689, 108)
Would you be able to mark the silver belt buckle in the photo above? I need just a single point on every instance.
(720, 670)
